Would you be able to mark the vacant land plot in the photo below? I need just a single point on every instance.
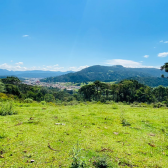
(53, 136)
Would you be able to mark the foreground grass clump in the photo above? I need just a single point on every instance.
(45, 135)
(6, 108)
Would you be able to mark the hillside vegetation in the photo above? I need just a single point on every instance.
(124, 91)
(151, 81)
(105, 73)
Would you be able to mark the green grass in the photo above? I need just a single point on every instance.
(48, 135)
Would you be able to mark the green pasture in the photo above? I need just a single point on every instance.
(54, 135)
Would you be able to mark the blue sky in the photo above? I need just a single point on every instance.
(66, 35)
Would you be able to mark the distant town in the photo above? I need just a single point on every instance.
(60, 85)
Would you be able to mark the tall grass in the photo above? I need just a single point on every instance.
(78, 161)
(7, 108)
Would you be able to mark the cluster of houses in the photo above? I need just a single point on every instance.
(60, 85)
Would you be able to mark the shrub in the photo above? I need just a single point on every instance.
(158, 105)
(103, 162)
(108, 102)
(3, 97)
(124, 122)
(2, 134)
(100, 163)
(120, 103)
(99, 102)
(7, 109)
(77, 161)
(43, 102)
(103, 100)
(144, 105)
(28, 100)
(114, 106)
(124, 102)
(136, 104)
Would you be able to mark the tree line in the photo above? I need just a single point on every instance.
(124, 91)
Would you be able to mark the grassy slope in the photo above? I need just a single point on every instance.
(25, 136)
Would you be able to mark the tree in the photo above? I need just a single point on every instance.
(12, 89)
(164, 67)
(2, 87)
(49, 98)
(11, 80)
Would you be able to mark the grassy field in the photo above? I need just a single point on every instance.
(54, 136)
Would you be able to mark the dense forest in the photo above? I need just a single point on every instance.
(125, 91)
(151, 81)
(105, 74)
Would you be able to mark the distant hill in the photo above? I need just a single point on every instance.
(32, 74)
(106, 74)
(151, 81)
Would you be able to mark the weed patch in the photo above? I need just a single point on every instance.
(124, 122)
(104, 162)
(114, 106)
(7, 108)
(77, 159)
(3, 135)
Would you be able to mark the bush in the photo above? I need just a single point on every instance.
(158, 105)
(114, 106)
(103, 162)
(103, 100)
(100, 163)
(77, 162)
(136, 104)
(28, 100)
(7, 109)
(4, 97)
(108, 102)
(99, 102)
(43, 102)
(124, 122)
(124, 102)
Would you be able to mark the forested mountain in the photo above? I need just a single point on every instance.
(106, 73)
(32, 74)
(151, 81)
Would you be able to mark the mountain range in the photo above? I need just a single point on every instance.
(106, 74)
(31, 74)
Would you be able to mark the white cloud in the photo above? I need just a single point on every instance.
(163, 41)
(77, 68)
(127, 63)
(12, 67)
(25, 35)
(19, 63)
(146, 56)
(18, 67)
(164, 54)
